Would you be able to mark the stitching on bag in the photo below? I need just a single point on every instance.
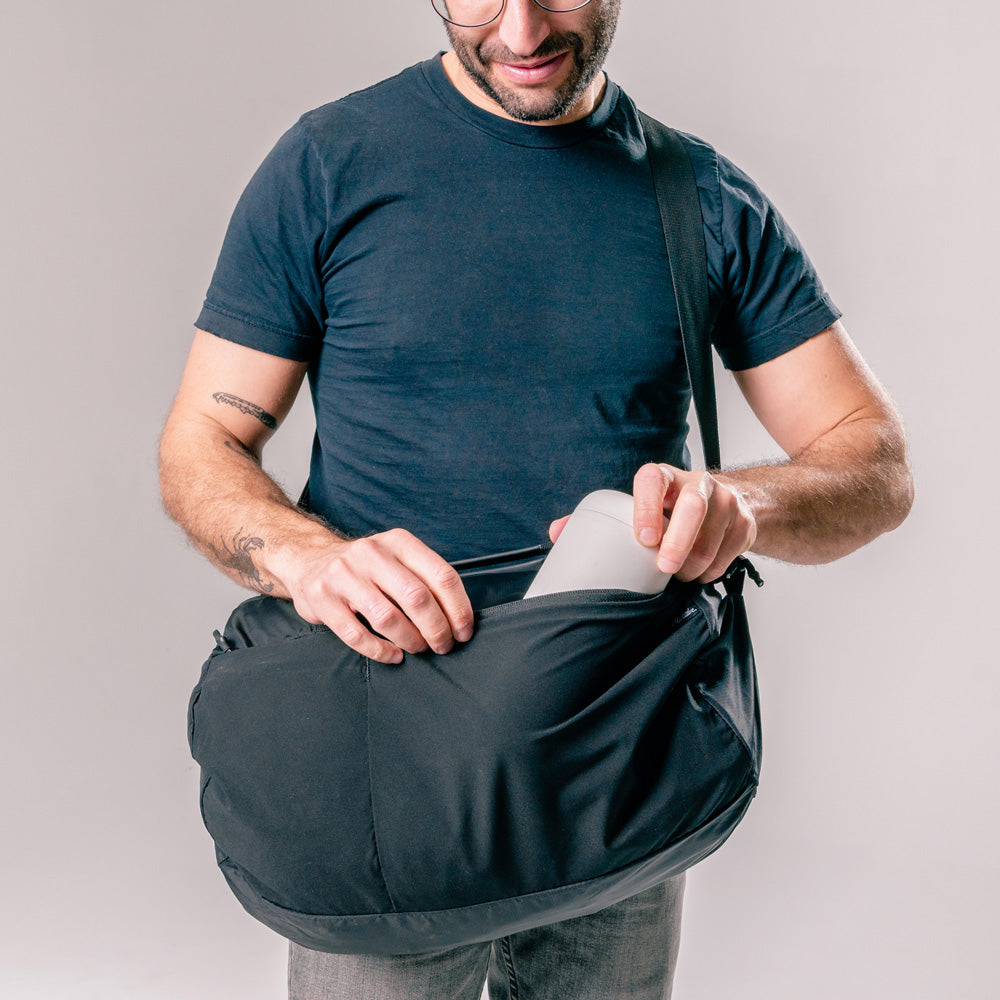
(371, 790)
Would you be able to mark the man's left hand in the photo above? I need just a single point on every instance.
(709, 523)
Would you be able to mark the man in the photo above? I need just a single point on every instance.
(466, 260)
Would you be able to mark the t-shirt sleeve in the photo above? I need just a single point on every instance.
(773, 299)
(267, 291)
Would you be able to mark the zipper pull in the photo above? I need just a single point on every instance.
(222, 643)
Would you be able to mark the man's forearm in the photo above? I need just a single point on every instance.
(831, 498)
(836, 493)
(231, 509)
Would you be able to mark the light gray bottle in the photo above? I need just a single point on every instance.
(598, 550)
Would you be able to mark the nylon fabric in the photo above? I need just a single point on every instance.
(580, 748)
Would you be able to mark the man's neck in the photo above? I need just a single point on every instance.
(471, 90)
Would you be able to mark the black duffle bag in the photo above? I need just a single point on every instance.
(580, 748)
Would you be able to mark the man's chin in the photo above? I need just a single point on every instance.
(528, 104)
(528, 108)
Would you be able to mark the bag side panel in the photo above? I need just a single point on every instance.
(727, 678)
(280, 732)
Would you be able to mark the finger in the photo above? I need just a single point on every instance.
(728, 551)
(387, 619)
(684, 524)
(393, 598)
(556, 528)
(419, 606)
(369, 580)
(710, 540)
(345, 625)
(433, 591)
(448, 589)
(739, 536)
(649, 487)
(336, 600)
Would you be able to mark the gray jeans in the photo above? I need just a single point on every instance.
(626, 952)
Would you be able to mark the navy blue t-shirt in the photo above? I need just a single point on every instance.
(486, 306)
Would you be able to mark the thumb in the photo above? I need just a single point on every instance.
(556, 527)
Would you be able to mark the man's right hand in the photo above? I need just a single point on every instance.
(404, 591)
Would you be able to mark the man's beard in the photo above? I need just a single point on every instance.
(587, 53)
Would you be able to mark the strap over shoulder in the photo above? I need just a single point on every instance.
(684, 234)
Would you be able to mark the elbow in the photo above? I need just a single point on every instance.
(903, 498)
(168, 476)
(893, 480)
(895, 504)
(900, 478)
(177, 464)
(883, 491)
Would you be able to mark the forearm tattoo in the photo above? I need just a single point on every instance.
(239, 557)
(252, 409)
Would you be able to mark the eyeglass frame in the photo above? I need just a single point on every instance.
(503, 4)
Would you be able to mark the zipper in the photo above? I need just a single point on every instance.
(569, 599)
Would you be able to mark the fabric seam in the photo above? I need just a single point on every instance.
(324, 173)
(823, 304)
(251, 321)
(371, 789)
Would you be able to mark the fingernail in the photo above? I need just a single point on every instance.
(647, 536)
(463, 634)
(667, 566)
(445, 647)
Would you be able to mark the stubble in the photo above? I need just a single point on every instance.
(588, 51)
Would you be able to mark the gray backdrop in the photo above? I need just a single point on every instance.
(865, 867)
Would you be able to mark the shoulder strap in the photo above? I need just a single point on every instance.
(684, 233)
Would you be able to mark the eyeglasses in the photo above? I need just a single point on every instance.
(476, 13)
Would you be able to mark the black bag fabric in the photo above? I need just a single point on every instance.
(580, 748)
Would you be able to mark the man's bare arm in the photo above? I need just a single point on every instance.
(846, 480)
(231, 401)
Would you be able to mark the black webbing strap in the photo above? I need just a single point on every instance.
(684, 233)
